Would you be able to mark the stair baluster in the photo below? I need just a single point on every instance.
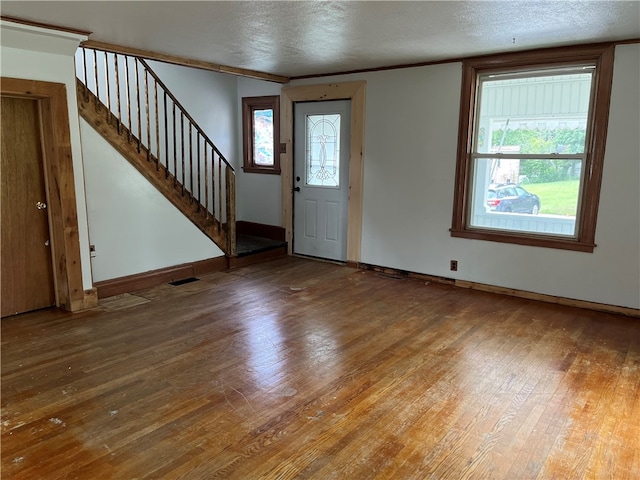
(192, 173)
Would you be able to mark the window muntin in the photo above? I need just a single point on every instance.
(260, 134)
(538, 122)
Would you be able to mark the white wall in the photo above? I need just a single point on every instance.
(210, 98)
(214, 100)
(259, 198)
(39, 54)
(409, 169)
(409, 165)
(133, 226)
(135, 229)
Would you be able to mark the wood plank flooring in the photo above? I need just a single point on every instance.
(296, 369)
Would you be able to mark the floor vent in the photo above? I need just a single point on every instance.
(182, 282)
(391, 275)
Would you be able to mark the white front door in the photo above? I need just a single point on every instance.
(321, 178)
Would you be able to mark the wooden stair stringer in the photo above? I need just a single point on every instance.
(106, 124)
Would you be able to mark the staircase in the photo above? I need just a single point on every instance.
(124, 100)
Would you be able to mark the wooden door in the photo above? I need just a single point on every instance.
(27, 271)
(321, 178)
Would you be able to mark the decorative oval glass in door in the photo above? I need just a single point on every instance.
(322, 163)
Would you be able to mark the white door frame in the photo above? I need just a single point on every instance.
(355, 91)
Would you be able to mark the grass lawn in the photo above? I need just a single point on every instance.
(556, 198)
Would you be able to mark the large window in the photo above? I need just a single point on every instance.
(261, 134)
(531, 145)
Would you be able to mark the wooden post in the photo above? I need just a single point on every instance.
(231, 211)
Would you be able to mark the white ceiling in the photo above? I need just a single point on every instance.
(297, 38)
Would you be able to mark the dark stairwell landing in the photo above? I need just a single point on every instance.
(251, 244)
(256, 242)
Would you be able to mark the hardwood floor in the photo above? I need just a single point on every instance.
(301, 369)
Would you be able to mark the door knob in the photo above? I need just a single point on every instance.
(41, 205)
(296, 189)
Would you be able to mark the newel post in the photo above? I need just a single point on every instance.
(231, 211)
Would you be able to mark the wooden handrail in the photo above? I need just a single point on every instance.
(156, 132)
(184, 110)
(183, 62)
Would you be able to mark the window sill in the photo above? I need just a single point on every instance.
(525, 239)
(268, 170)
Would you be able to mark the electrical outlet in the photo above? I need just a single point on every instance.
(454, 265)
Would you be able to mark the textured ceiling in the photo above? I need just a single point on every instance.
(296, 38)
